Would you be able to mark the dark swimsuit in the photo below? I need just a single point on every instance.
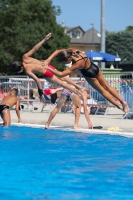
(3, 107)
(90, 72)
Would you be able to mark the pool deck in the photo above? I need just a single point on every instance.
(66, 120)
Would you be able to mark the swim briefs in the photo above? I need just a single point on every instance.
(3, 107)
(48, 73)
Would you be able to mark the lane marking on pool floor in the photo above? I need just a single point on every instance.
(65, 128)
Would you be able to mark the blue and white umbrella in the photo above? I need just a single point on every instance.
(100, 56)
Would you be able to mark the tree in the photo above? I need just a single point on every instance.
(129, 28)
(121, 43)
(23, 24)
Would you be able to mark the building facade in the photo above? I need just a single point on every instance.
(84, 40)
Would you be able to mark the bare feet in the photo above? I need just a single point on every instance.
(76, 127)
(46, 126)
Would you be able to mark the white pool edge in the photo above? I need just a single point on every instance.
(64, 128)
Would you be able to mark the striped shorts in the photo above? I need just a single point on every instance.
(66, 92)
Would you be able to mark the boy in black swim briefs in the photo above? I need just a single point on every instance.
(7, 103)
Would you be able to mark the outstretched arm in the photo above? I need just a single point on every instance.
(56, 52)
(39, 85)
(65, 72)
(53, 55)
(18, 111)
(37, 46)
(58, 73)
(35, 78)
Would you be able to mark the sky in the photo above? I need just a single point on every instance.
(83, 13)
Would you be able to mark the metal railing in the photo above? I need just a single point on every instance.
(122, 82)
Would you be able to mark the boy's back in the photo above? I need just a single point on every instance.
(10, 100)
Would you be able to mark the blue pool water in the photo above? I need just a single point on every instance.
(40, 164)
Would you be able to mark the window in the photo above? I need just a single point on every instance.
(76, 34)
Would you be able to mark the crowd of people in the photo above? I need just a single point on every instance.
(73, 60)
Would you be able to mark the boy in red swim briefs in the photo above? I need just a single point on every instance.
(48, 73)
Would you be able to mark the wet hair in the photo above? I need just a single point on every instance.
(64, 55)
(16, 66)
(14, 90)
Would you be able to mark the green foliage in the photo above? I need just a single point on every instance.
(121, 43)
(24, 23)
(129, 28)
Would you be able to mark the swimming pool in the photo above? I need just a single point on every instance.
(64, 165)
